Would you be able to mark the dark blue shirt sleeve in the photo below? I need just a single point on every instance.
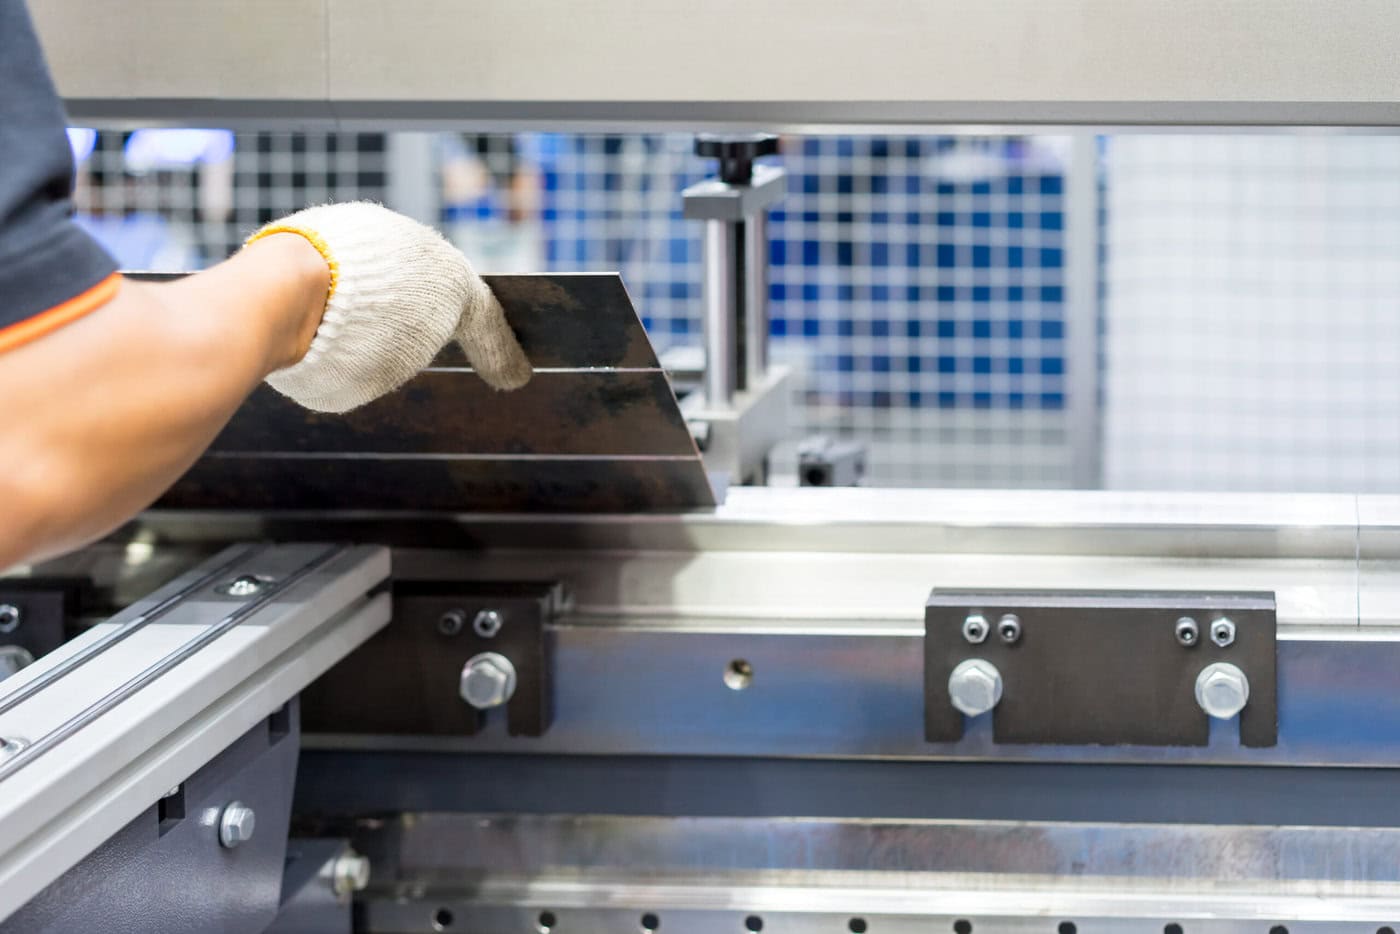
(45, 259)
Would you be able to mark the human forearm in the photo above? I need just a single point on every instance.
(98, 418)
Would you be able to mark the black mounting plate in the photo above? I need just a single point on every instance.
(405, 679)
(1101, 667)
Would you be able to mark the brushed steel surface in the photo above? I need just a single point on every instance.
(425, 62)
(621, 691)
(255, 50)
(802, 875)
(1185, 526)
(721, 319)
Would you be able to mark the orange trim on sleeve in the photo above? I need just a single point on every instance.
(46, 322)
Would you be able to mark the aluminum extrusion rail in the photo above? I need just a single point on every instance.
(129, 628)
(173, 697)
(107, 702)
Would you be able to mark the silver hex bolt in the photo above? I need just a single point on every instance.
(974, 687)
(236, 825)
(1188, 633)
(975, 628)
(1222, 632)
(349, 873)
(488, 680)
(10, 618)
(1222, 690)
(487, 623)
(1009, 628)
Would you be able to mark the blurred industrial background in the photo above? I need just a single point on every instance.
(1134, 312)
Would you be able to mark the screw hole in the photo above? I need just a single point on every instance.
(738, 676)
(650, 922)
(1067, 927)
(753, 923)
(1009, 628)
(962, 926)
(857, 926)
(814, 476)
(442, 919)
(1172, 929)
(487, 623)
(546, 922)
(451, 622)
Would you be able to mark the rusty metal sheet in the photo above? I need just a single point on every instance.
(571, 320)
(597, 430)
(564, 320)
(465, 484)
(595, 412)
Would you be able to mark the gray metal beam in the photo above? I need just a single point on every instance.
(612, 62)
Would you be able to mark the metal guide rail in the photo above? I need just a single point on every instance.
(685, 874)
(1185, 629)
(104, 726)
(259, 591)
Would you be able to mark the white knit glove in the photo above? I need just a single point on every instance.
(398, 293)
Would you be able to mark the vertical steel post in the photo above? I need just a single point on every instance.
(1085, 424)
(755, 299)
(721, 315)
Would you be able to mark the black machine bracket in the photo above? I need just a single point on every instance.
(410, 678)
(38, 614)
(1100, 667)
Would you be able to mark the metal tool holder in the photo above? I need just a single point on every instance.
(475, 646)
(1105, 668)
(743, 412)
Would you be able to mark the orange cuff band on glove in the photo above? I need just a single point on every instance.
(311, 237)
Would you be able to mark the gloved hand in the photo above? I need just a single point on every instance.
(398, 293)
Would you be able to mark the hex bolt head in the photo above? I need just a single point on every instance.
(236, 825)
(10, 618)
(974, 687)
(1009, 628)
(1222, 690)
(349, 872)
(1222, 632)
(975, 628)
(487, 623)
(488, 680)
(1188, 633)
(452, 622)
